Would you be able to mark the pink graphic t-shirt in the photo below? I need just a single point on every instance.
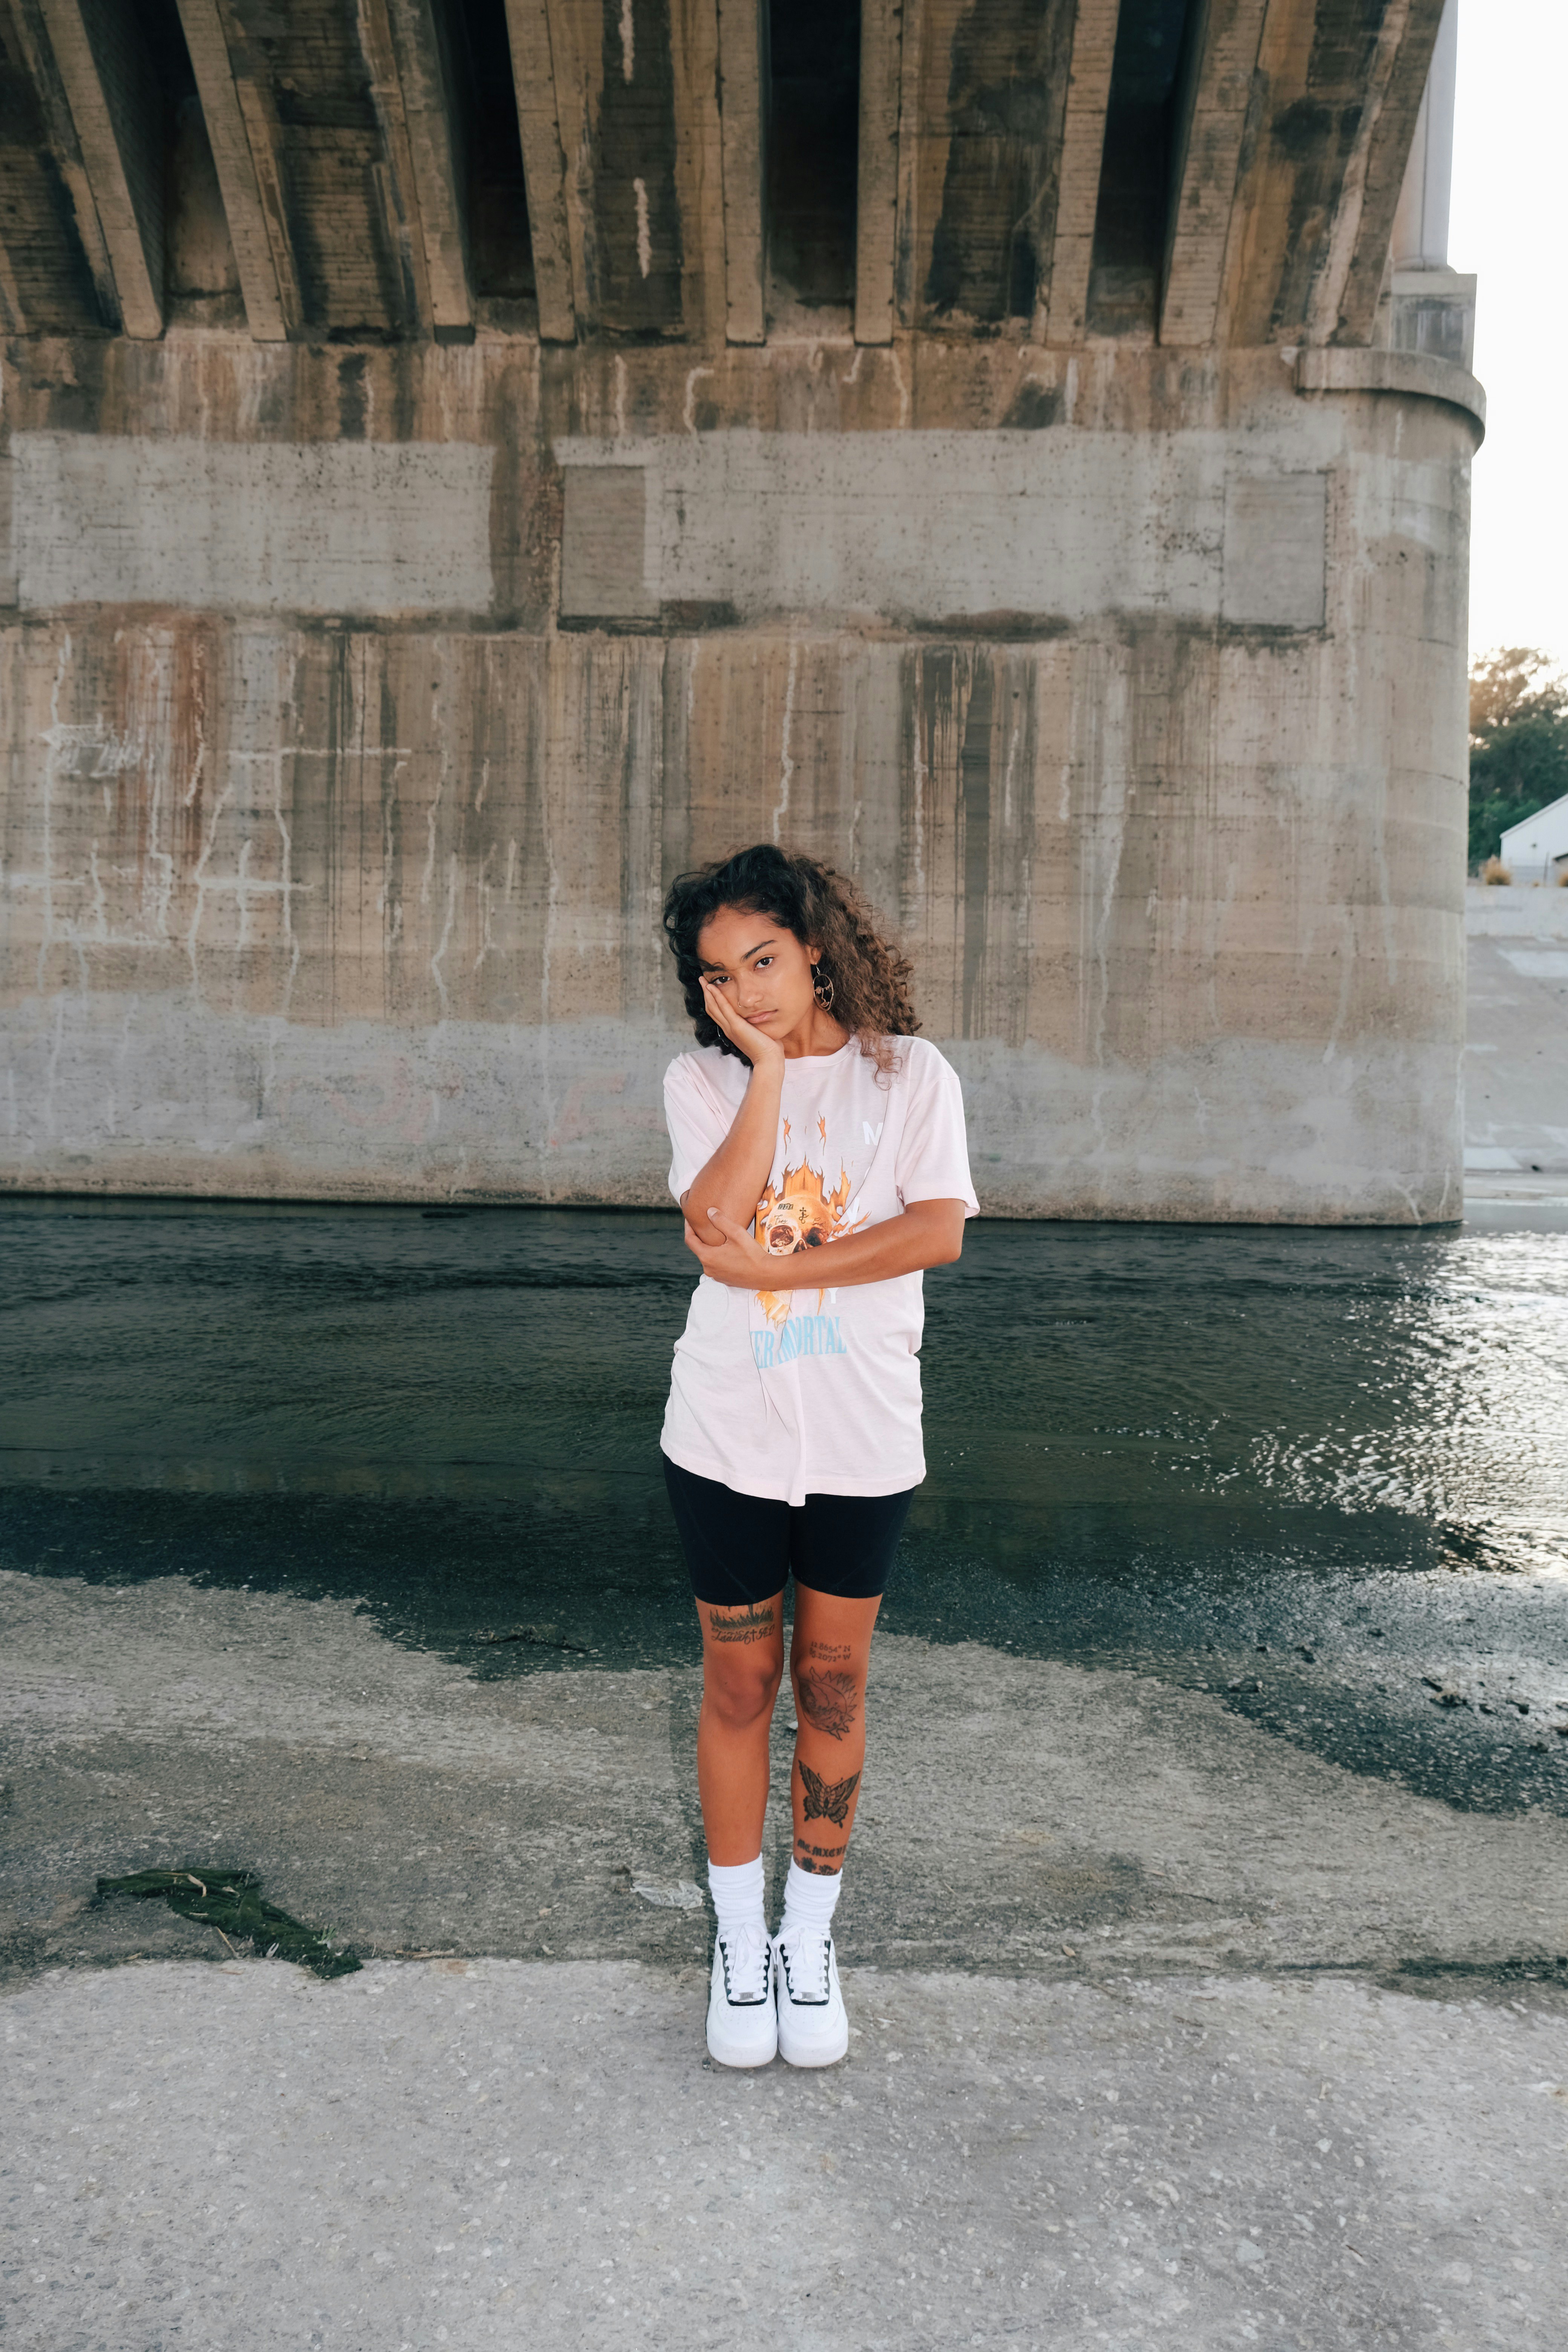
(791, 1392)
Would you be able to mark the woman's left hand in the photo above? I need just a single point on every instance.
(734, 1258)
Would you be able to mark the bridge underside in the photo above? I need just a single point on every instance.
(468, 462)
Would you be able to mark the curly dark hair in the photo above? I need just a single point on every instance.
(825, 910)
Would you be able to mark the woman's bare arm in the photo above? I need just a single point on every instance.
(734, 1178)
(928, 1233)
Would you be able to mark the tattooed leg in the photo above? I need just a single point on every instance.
(743, 1665)
(831, 1652)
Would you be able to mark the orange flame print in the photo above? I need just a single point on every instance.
(802, 1214)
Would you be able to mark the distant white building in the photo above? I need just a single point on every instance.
(1537, 849)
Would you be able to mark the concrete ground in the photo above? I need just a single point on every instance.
(1516, 1063)
(1166, 2030)
(502, 2151)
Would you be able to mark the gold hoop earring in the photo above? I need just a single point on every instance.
(822, 989)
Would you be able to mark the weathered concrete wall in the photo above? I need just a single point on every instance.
(358, 704)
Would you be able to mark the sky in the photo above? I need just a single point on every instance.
(1509, 139)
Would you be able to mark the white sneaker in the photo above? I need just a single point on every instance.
(813, 2030)
(743, 2018)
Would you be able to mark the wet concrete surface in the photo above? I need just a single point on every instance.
(1018, 1814)
(1218, 1702)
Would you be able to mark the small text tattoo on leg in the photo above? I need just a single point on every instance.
(749, 1624)
(828, 1699)
(835, 1653)
(827, 1800)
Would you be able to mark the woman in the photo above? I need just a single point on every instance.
(791, 1440)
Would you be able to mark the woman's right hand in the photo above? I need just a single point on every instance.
(760, 1050)
(734, 1178)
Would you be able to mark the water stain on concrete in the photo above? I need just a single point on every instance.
(230, 1900)
(1005, 97)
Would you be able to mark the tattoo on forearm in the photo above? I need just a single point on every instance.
(827, 1800)
(749, 1624)
(828, 1699)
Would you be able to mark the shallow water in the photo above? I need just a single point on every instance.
(1195, 1451)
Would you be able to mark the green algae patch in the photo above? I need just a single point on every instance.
(232, 1902)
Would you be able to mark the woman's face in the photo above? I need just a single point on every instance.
(761, 967)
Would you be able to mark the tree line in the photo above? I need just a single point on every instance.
(1518, 743)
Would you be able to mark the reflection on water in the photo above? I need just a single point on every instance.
(1165, 1445)
(1415, 1381)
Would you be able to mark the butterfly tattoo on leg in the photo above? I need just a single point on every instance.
(827, 1800)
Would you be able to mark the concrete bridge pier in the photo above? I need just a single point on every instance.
(466, 466)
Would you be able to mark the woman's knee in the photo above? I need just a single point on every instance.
(830, 1693)
(741, 1690)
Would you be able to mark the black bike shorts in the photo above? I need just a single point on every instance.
(745, 1548)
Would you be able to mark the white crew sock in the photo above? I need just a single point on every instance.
(809, 1899)
(737, 1889)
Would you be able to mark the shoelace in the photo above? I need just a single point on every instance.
(746, 1965)
(805, 1950)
